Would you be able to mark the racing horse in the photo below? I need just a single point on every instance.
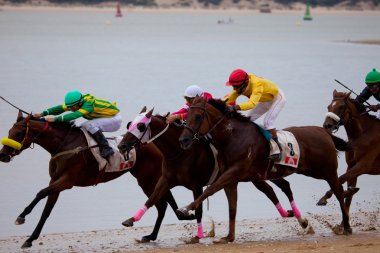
(245, 152)
(69, 167)
(363, 135)
(192, 168)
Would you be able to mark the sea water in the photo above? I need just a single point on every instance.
(148, 59)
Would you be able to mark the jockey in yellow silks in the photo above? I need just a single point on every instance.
(264, 97)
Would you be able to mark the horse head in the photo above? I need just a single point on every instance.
(138, 131)
(339, 111)
(19, 138)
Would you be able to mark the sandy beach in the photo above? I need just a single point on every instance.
(256, 235)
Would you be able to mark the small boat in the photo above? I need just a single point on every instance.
(265, 8)
(307, 16)
(118, 10)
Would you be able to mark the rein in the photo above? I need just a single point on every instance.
(158, 135)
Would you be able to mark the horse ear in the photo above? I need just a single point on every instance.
(149, 114)
(334, 92)
(129, 124)
(143, 109)
(19, 116)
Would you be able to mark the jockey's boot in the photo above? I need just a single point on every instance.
(275, 147)
(105, 149)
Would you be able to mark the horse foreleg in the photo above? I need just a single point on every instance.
(231, 193)
(50, 203)
(161, 209)
(337, 188)
(351, 190)
(161, 189)
(231, 176)
(40, 195)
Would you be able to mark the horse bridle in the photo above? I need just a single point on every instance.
(26, 136)
(196, 134)
(337, 118)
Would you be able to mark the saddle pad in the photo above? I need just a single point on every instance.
(116, 161)
(290, 149)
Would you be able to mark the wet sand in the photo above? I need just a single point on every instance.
(261, 235)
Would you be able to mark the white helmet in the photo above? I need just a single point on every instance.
(192, 91)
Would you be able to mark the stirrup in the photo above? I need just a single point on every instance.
(275, 157)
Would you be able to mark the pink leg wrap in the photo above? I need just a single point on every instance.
(140, 213)
(200, 231)
(281, 210)
(297, 212)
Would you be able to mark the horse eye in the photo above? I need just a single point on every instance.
(19, 135)
(198, 118)
(141, 127)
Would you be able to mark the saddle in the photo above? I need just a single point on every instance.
(115, 162)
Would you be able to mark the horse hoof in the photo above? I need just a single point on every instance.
(183, 212)
(127, 223)
(193, 240)
(338, 230)
(223, 240)
(303, 222)
(19, 221)
(322, 202)
(26, 245)
(353, 190)
(347, 231)
(146, 239)
(290, 213)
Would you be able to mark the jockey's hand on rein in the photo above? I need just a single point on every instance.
(373, 107)
(232, 108)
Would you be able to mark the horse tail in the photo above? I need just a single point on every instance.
(339, 143)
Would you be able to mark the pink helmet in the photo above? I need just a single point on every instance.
(237, 78)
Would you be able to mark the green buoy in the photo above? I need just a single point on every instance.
(307, 12)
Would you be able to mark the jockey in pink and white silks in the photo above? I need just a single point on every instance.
(264, 97)
(190, 93)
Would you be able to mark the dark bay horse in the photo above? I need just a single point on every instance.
(78, 169)
(363, 131)
(189, 168)
(245, 151)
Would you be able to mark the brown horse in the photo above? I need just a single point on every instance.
(190, 168)
(245, 151)
(78, 169)
(363, 131)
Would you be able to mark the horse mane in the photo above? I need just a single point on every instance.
(359, 106)
(70, 124)
(163, 118)
(221, 106)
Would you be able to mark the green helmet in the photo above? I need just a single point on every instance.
(72, 98)
(372, 77)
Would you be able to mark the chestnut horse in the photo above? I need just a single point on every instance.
(191, 168)
(363, 131)
(245, 151)
(78, 168)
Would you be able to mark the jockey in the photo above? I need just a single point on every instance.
(372, 80)
(190, 93)
(102, 116)
(264, 97)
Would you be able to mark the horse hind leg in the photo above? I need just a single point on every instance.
(285, 187)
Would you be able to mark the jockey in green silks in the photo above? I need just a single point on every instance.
(102, 116)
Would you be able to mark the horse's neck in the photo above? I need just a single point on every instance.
(54, 140)
(168, 142)
(358, 126)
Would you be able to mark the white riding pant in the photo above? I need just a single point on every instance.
(104, 124)
(378, 114)
(271, 108)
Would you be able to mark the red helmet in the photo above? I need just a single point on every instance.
(237, 78)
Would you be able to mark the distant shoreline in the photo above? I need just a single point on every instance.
(106, 9)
